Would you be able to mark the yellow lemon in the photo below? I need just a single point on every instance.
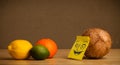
(19, 49)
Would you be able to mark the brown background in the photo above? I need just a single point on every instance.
(60, 20)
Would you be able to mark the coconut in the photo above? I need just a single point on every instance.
(100, 43)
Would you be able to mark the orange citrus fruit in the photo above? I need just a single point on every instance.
(49, 44)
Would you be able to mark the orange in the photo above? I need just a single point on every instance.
(49, 44)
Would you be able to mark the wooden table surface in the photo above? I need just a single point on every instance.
(113, 58)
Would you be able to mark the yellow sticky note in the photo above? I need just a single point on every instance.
(79, 47)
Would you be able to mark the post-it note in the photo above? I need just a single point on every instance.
(79, 47)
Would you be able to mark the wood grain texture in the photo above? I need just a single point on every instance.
(113, 58)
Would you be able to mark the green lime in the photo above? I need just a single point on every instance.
(39, 52)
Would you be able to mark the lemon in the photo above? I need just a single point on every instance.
(19, 49)
(39, 52)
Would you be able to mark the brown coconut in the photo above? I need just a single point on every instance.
(100, 42)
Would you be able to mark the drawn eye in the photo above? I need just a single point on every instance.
(77, 45)
(83, 46)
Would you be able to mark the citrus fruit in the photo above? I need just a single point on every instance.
(19, 49)
(39, 52)
(49, 44)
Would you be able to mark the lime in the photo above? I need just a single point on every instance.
(39, 52)
(19, 49)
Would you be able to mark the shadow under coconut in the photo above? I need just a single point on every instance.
(103, 58)
(85, 58)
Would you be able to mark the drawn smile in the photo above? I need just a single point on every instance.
(77, 52)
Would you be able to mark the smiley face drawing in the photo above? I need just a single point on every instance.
(79, 48)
